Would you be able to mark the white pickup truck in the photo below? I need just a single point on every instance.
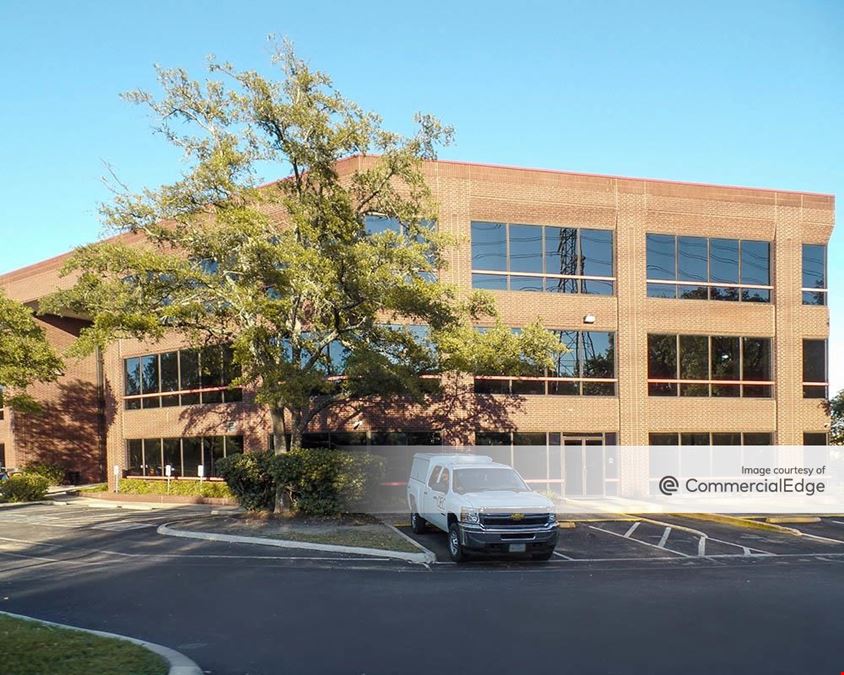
(485, 507)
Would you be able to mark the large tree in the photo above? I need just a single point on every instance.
(25, 355)
(318, 280)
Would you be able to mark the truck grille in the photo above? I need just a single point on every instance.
(507, 520)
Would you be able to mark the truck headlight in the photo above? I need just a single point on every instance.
(552, 517)
(469, 516)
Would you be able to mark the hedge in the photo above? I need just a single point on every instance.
(248, 477)
(182, 488)
(24, 487)
(52, 472)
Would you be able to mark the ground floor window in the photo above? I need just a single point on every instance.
(815, 438)
(563, 464)
(149, 456)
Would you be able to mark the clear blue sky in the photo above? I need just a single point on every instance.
(745, 93)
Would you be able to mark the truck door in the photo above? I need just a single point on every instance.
(434, 498)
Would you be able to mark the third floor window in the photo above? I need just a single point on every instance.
(700, 268)
(509, 256)
(814, 274)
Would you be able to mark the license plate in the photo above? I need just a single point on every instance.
(518, 548)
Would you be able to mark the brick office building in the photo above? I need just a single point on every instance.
(694, 314)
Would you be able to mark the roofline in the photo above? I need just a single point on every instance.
(511, 167)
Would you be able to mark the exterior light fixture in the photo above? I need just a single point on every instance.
(589, 318)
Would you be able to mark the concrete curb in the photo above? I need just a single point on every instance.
(743, 522)
(179, 663)
(420, 558)
(431, 556)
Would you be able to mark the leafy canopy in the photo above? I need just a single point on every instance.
(289, 272)
(25, 355)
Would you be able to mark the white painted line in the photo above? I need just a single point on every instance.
(664, 538)
(632, 529)
(560, 555)
(639, 541)
(837, 522)
(701, 547)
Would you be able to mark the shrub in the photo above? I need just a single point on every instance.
(248, 477)
(182, 488)
(24, 487)
(323, 482)
(52, 472)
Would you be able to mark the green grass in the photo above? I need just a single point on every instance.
(30, 648)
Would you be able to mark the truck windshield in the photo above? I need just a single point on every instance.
(487, 480)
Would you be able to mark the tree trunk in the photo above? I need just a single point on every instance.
(279, 429)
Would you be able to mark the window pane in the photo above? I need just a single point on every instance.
(526, 283)
(814, 439)
(527, 386)
(379, 224)
(598, 354)
(593, 287)
(152, 457)
(724, 261)
(173, 455)
(723, 293)
(755, 295)
(566, 364)
(662, 263)
(149, 374)
(525, 248)
(234, 445)
(561, 251)
(662, 291)
(756, 358)
(662, 357)
(489, 282)
(814, 298)
(726, 439)
(692, 254)
(694, 357)
(814, 266)
(596, 252)
(663, 439)
(814, 360)
(191, 455)
(213, 450)
(135, 457)
(598, 388)
(492, 438)
(811, 391)
(557, 285)
(693, 292)
(756, 262)
(694, 439)
(756, 391)
(489, 246)
(212, 367)
(231, 370)
(484, 386)
(726, 360)
(424, 438)
(762, 438)
(662, 389)
(132, 376)
(170, 371)
(189, 360)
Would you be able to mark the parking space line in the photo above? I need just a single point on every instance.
(639, 541)
(664, 537)
(701, 547)
(837, 522)
(631, 530)
(557, 553)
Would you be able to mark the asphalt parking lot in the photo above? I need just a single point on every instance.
(672, 539)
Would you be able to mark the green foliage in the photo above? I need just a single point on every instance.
(324, 482)
(25, 355)
(23, 487)
(287, 272)
(52, 472)
(248, 477)
(836, 413)
(181, 487)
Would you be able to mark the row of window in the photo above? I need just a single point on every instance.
(587, 368)
(520, 257)
(150, 456)
(183, 377)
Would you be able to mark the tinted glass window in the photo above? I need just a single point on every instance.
(170, 371)
(692, 254)
(662, 263)
(814, 360)
(756, 358)
(814, 266)
(152, 456)
(136, 457)
(489, 282)
(561, 253)
(814, 439)
(598, 354)
(596, 253)
(492, 438)
(662, 357)
(526, 249)
(567, 364)
(757, 439)
(132, 377)
(189, 368)
(725, 358)
(694, 357)
(379, 224)
(724, 261)
(489, 246)
(173, 455)
(756, 263)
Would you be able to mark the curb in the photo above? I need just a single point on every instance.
(420, 558)
(179, 663)
(431, 557)
(743, 522)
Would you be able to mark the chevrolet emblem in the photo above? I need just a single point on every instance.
(517, 516)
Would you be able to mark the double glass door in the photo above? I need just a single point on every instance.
(583, 466)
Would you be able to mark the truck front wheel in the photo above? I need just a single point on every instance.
(455, 547)
(417, 523)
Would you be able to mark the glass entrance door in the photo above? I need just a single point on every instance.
(583, 470)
